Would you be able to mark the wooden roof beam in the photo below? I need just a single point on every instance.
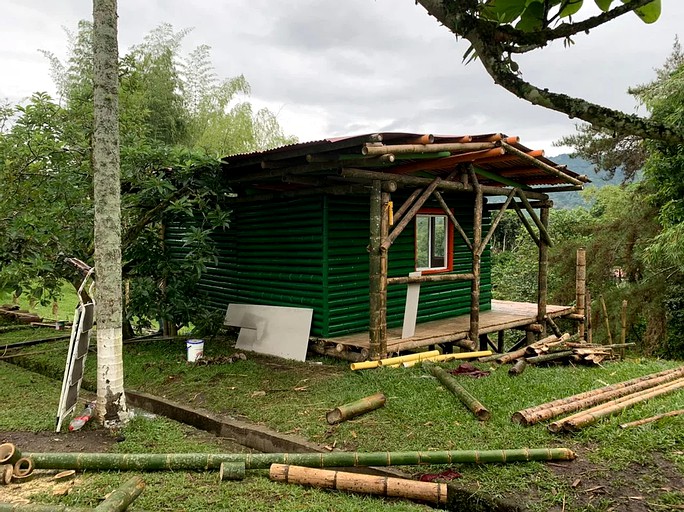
(445, 163)
(427, 148)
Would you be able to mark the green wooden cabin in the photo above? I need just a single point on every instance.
(308, 222)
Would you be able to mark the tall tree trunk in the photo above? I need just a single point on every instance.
(111, 401)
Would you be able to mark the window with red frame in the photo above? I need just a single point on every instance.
(434, 233)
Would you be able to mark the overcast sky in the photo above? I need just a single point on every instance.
(343, 67)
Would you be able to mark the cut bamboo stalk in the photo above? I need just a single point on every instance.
(209, 461)
(393, 360)
(590, 418)
(652, 419)
(23, 467)
(6, 474)
(357, 408)
(563, 423)
(553, 356)
(232, 471)
(518, 367)
(449, 357)
(549, 410)
(121, 498)
(517, 354)
(472, 403)
(9, 453)
(427, 492)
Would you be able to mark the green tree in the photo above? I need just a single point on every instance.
(499, 30)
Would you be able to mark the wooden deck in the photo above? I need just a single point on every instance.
(503, 315)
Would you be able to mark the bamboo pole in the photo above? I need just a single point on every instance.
(543, 270)
(209, 461)
(448, 357)
(607, 320)
(541, 165)
(517, 354)
(496, 221)
(233, 471)
(588, 320)
(474, 330)
(652, 419)
(590, 417)
(37, 507)
(430, 278)
(397, 149)
(407, 204)
(518, 367)
(623, 330)
(393, 360)
(353, 409)
(472, 403)
(554, 356)
(121, 498)
(543, 232)
(9, 453)
(580, 288)
(453, 219)
(548, 410)
(377, 276)
(427, 492)
(23, 467)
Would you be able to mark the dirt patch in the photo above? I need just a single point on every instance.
(638, 488)
(80, 441)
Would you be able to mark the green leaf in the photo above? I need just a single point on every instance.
(532, 18)
(504, 11)
(604, 5)
(649, 13)
(570, 8)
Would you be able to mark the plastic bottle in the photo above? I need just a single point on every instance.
(81, 420)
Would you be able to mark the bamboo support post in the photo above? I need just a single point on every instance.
(591, 416)
(526, 223)
(549, 410)
(652, 419)
(518, 367)
(6, 474)
(543, 233)
(472, 403)
(377, 275)
(588, 320)
(9, 453)
(427, 492)
(407, 204)
(209, 461)
(623, 330)
(231, 471)
(543, 271)
(121, 498)
(607, 319)
(357, 408)
(474, 330)
(581, 288)
(496, 221)
(441, 358)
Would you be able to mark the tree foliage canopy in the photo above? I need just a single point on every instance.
(176, 118)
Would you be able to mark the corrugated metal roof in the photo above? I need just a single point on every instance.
(499, 160)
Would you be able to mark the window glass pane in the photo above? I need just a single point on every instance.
(438, 248)
(422, 241)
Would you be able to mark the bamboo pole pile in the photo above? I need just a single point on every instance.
(390, 361)
(610, 394)
(213, 461)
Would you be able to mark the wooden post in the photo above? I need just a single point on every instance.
(588, 320)
(542, 278)
(581, 288)
(474, 330)
(607, 320)
(623, 331)
(377, 274)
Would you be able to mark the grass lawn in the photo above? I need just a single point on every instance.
(617, 469)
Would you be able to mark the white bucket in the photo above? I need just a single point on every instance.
(195, 350)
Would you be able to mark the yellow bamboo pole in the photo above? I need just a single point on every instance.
(393, 360)
(652, 419)
(449, 357)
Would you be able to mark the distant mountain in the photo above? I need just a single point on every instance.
(568, 200)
